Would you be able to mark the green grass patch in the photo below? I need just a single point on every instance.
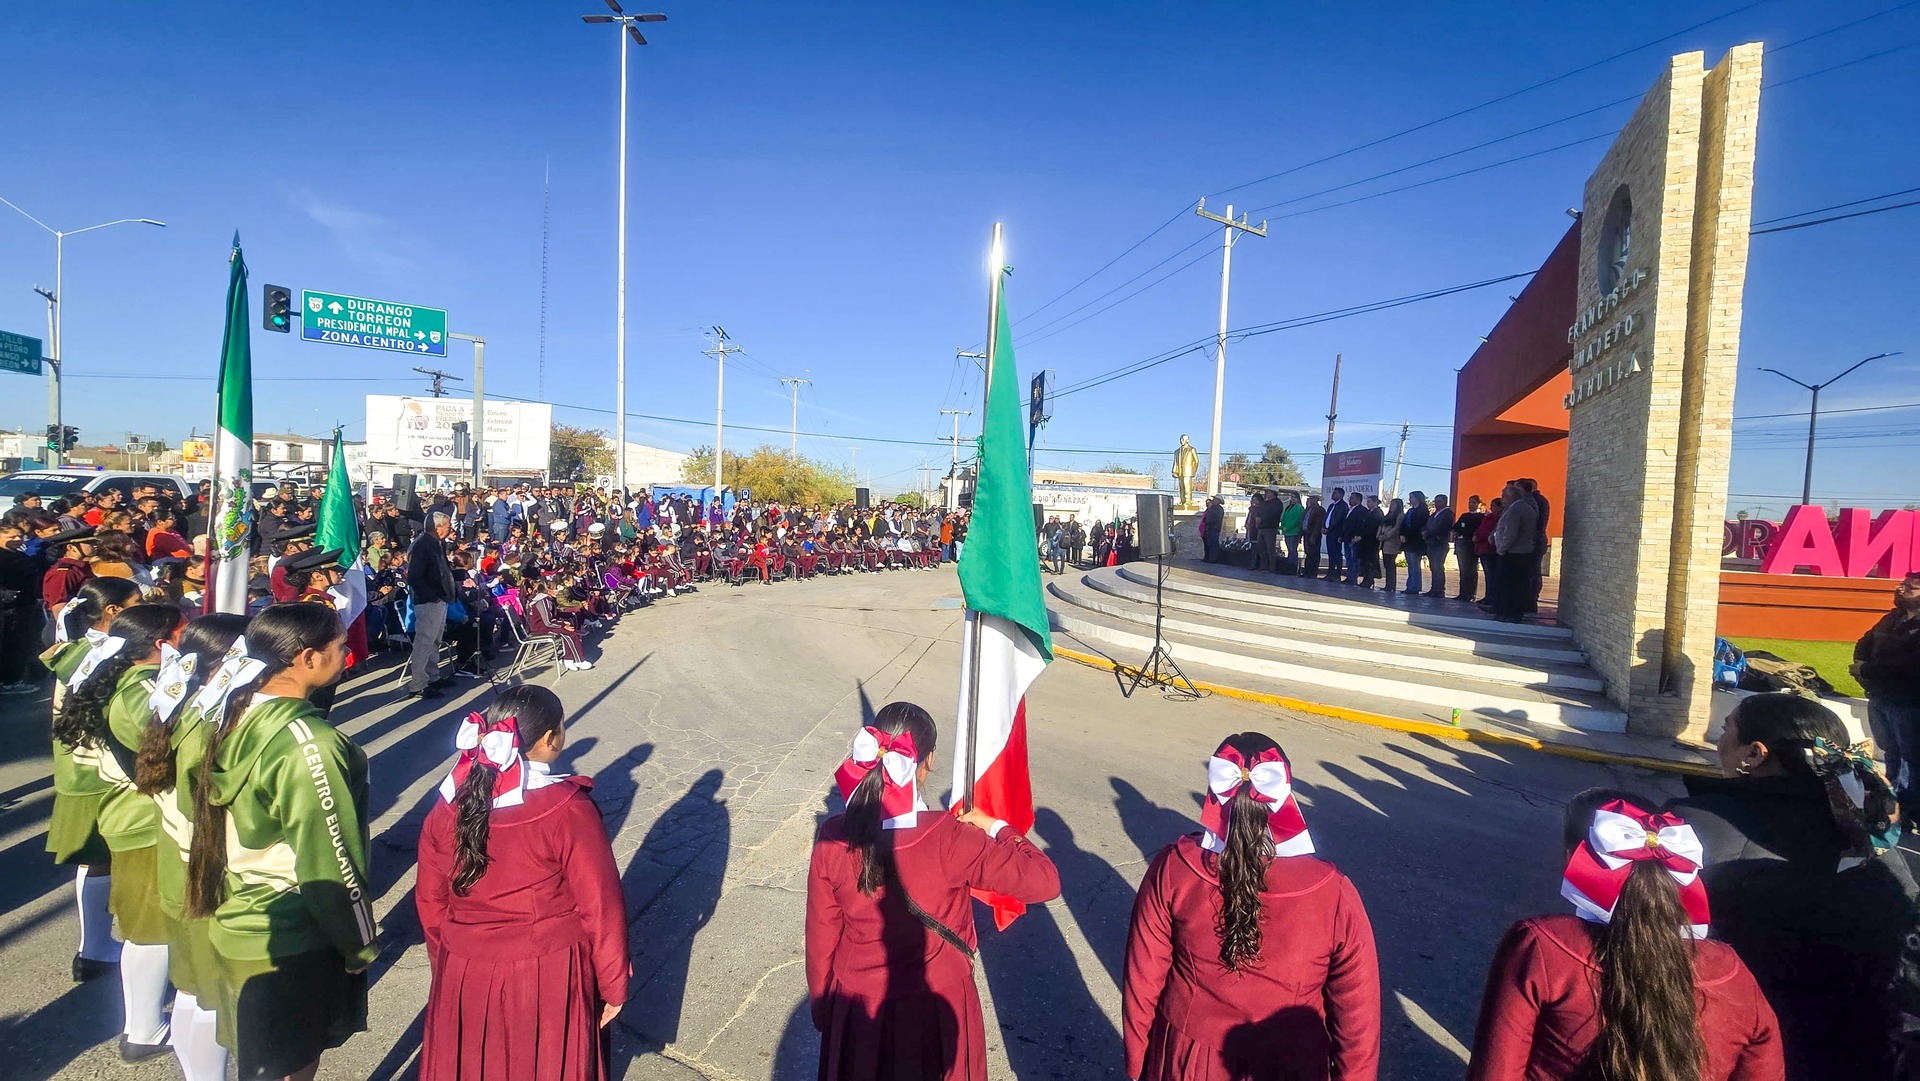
(1830, 659)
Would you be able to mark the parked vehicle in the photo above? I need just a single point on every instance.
(50, 484)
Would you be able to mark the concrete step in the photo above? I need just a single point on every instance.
(1330, 598)
(1491, 642)
(1300, 672)
(1333, 644)
(1331, 640)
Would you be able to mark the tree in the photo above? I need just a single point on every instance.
(1116, 467)
(579, 453)
(1275, 466)
(917, 500)
(772, 475)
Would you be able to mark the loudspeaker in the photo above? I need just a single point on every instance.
(403, 491)
(1039, 518)
(1153, 525)
(861, 497)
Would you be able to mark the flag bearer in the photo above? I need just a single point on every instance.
(890, 937)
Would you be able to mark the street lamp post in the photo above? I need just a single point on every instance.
(56, 449)
(1813, 415)
(629, 23)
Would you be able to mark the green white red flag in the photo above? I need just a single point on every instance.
(230, 519)
(1006, 610)
(338, 528)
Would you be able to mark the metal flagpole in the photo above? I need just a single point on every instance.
(995, 261)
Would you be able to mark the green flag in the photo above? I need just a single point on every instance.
(1000, 564)
(338, 528)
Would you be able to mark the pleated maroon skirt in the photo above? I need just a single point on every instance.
(524, 1019)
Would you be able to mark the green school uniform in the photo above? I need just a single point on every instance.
(128, 818)
(297, 915)
(73, 834)
(191, 962)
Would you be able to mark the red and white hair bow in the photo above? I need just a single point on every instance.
(498, 744)
(1268, 780)
(1622, 836)
(898, 761)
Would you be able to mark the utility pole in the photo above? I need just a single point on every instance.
(953, 470)
(439, 379)
(793, 445)
(721, 348)
(1233, 229)
(479, 422)
(1813, 415)
(1333, 410)
(1400, 456)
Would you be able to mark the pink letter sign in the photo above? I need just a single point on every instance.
(1888, 545)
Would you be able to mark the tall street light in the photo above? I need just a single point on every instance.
(630, 23)
(56, 449)
(1813, 414)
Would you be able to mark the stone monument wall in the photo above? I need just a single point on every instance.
(1656, 340)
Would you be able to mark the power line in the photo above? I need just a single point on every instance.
(1177, 215)
(1836, 217)
(1188, 265)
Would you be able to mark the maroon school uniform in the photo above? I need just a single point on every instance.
(893, 1000)
(1309, 1008)
(523, 963)
(1540, 1014)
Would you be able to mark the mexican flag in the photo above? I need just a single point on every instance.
(1006, 636)
(230, 519)
(338, 528)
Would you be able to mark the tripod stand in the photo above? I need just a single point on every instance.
(1159, 667)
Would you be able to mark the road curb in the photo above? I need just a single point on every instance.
(1420, 728)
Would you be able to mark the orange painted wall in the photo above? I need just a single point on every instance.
(1809, 607)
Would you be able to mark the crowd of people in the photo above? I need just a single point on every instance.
(1501, 546)
(1759, 928)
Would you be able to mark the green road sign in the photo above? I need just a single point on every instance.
(339, 319)
(19, 353)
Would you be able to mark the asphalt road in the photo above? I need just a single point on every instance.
(712, 726)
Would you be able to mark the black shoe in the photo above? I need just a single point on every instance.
(440, 683)
(432, 691)
(140, 1052)
(86, 968)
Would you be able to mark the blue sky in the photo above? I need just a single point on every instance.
(821, 181)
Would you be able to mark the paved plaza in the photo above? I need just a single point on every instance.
(711, 728)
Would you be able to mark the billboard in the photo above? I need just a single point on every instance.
(1355, 470)
(417, 434)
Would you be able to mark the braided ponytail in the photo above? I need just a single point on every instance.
(536, 712)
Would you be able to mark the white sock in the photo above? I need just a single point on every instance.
(96, 923)
(143, 990)
(193, 1042)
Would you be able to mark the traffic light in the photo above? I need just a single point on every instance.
(72, 438)
(462, 440)
(276, 308)
(53, 437)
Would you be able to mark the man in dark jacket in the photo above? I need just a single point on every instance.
(430, 585)
(1210, 521)
(1315, 529)
(1886, 661)
(1336, 533)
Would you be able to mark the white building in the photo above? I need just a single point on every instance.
(653, 465)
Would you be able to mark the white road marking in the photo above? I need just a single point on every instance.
(1424, 1021)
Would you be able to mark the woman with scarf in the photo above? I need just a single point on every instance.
(279, 849)
(1248, 956)
(171, 752)
(520, 901)
(1625, 987)
(1807, 882)
(73, 832)
(106, 709)
(890, 938)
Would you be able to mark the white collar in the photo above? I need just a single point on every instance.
(908, 820)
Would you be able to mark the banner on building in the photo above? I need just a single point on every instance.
(1354, 470)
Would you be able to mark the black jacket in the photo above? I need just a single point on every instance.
(1889, 657)
(429, 575)
(1337, 520)
(1823, 943)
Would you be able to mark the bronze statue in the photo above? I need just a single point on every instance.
(1186, 466)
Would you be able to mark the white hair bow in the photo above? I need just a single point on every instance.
(235, 669)
(170, 685)
(98, 654)
(498, 742)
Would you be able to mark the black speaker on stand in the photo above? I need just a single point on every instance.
(403, 491)
(861, 497)
(1153, 532)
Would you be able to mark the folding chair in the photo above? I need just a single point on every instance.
(531, 651)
